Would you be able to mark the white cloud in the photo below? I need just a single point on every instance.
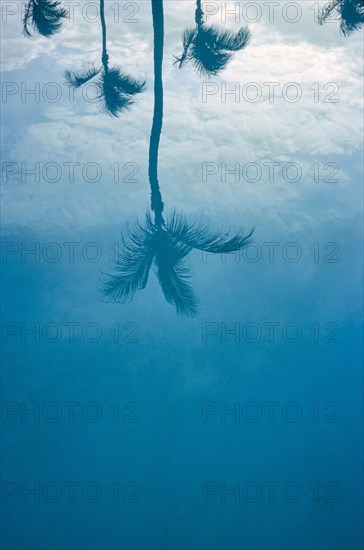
(193, 131)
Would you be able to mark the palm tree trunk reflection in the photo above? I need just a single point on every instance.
(158, 27)
(164, 243)
(105, 57)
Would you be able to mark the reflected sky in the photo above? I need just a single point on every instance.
(237, 149)
(262, 131)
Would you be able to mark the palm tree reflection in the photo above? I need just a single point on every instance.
(43, 16)
(350, 12)
(115, 90)
(210, 48)
(159, 241)
(166, 244)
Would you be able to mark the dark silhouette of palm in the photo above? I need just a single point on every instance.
(43, 16)
(350, 12)
(115, 89)
(210, 48)
(164, 243)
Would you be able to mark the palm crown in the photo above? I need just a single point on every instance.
(165, 245)
(350, 12)
(115, 90)
(210, 48)
(43, 16)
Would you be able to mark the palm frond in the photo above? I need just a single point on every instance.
(27, 18)
(210, 48)
(188, 36)
(129, 271)
(351, 16)
(174, 276)
(116, 91)
(207, 60)
(110, 100)
(187, 39)
(125, 83)
(44, 16)
(76, 79)
(200, 237)
(326, 11)
(232, 41)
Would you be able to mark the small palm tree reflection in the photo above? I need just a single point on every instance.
(115, 90)
(350, 13)
(163, 242)
(43, 16)
(210, 48)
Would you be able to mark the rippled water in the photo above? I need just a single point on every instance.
(170, 380)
